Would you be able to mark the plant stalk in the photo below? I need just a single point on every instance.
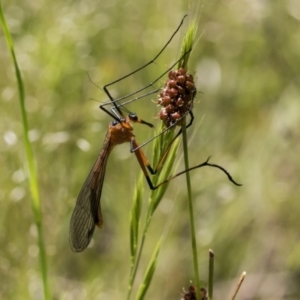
(32, 173)
(191, 210)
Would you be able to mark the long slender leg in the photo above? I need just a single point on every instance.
(144, 164)
(105, 88)
(162, 158)
(118, 106)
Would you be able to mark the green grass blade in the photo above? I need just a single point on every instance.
(166, 172)
(149, 273)
(156, 196)
(187, 45)
(32, 174)
(135, 216)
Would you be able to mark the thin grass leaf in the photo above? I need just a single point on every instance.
(135, 216)
(159, 146)
(187, 45)
(31, 168)
(149, 273)
(167, 171)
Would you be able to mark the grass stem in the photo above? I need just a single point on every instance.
(191, 209)
(239, 285)
(31, 168)
(211, 274)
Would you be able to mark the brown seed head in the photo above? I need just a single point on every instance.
(176, 98)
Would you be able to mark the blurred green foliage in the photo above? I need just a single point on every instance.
(246, 64)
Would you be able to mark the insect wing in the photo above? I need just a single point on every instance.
(87, 211)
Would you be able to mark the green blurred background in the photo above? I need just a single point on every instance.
(246, 64)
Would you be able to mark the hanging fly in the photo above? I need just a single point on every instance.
(176, 100)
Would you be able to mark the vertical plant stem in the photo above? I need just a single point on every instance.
(149, 273)
(239, 285)
(211, 274)
(32, 174)
(191, 210)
